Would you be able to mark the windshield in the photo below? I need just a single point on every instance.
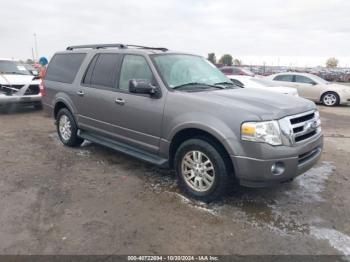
(320, 80)
(12, 67)
(180, 70)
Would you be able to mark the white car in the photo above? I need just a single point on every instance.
(314, 88)
(18, 85)
(261, 83)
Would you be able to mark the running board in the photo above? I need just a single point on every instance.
(123, 148)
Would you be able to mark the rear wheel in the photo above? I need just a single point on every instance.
(67, 129)
(201, 170)
(330, 99)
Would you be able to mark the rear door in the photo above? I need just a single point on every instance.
(96, 93)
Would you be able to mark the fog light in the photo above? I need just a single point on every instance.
(277, 168)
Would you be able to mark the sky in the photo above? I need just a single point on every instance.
(275, 32)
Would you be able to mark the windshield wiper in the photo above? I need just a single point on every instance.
(196, 84)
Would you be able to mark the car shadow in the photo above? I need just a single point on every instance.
(18, 109)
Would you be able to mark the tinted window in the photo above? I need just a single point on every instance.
(105, 70)
(134, 67)
(64, 67)
(285, 78)
(226, 70)
(303, 79)
(88, 73)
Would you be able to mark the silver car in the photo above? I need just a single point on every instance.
(18, 85)
(314, 88)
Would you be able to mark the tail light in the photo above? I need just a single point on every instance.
(42, 89)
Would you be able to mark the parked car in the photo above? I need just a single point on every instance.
(234, 70)
(179, 111)
(314, 88)
(263, 84)
(18, 85)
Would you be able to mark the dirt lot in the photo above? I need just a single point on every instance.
(91, 200)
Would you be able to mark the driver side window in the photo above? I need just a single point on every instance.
(134, 67)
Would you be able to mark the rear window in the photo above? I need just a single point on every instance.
(285, 78)
(64, 67)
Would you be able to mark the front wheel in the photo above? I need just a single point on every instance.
(201, 170)
(330, 99)
(67, 129)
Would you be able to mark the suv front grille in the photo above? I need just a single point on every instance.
(304, 126)
(301, 127)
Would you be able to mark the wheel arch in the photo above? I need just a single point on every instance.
(194, 132)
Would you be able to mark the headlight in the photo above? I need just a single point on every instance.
(267, 132)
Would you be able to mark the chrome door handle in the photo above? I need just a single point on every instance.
(120, 101)
(80, 93)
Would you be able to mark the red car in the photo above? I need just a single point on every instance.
(233, 70)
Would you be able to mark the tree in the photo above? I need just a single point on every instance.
(332, 62)
(226, 60)
(212, 58)
(237, 62)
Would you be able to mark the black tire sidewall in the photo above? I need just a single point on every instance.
(74, 140)
(333, 93)
(220, 167)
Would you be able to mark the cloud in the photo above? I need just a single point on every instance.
(317, 28)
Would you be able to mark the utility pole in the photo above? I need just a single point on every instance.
(33, 54)
(36, 47)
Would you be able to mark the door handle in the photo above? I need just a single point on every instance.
(80, 93)
(120, 101)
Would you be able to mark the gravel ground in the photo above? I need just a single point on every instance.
(91, 200)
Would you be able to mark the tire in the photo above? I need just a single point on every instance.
(330, 99)
(213, 188)
(67, 129)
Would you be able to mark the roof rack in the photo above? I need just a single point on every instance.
(100, 46)
(147, 47)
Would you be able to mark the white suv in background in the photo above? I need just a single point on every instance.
(18, 85)
(314, 88)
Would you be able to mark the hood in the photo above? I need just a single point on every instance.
(265, 105)
(337, 87)
(9, 79)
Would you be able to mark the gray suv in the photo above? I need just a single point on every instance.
(179, 111)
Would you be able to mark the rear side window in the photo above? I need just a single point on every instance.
(105, 70)
(64, 67)
(285, 78)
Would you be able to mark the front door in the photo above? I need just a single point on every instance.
(307, 88)
(140, 116)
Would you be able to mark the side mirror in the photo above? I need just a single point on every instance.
(140, 86)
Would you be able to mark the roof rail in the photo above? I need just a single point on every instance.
(147, 47)
(100, 46)
(96, 46)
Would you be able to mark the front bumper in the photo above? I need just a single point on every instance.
(254, 172)
(26, 99)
